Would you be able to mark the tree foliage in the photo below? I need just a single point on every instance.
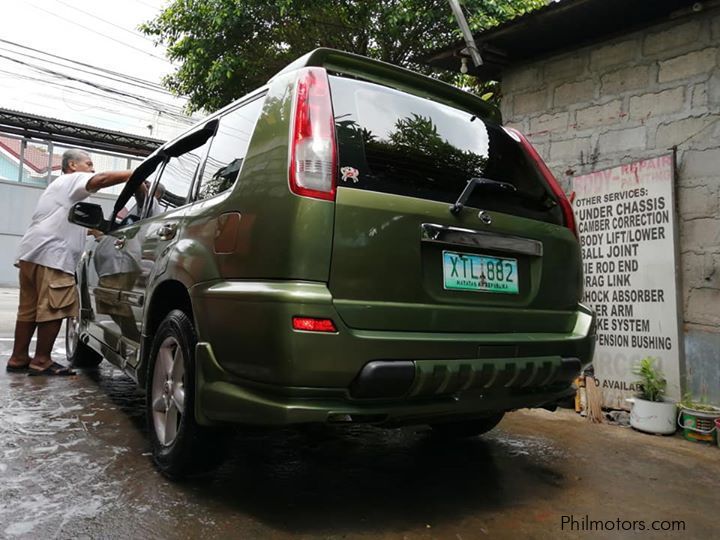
(418, 137)
(225, 48)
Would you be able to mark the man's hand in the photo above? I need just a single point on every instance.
(94, 232)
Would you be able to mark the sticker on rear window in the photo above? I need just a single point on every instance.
(350, 173)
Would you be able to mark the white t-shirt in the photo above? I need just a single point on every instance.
(52, 240)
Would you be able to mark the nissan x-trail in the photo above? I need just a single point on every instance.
(352, 242)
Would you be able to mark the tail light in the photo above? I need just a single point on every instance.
(565, 206)
(313, 150)
(311, 324)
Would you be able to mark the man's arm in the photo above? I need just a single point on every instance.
(106, 179)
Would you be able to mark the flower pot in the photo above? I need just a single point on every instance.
(699, 425)
(653, 416)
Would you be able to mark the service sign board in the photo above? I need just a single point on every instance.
(626, 223)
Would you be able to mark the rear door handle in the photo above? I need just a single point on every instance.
(167, 231)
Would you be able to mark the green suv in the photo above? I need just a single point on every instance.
(352, 242)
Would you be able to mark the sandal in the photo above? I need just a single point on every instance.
(53, 370)
(18, 369)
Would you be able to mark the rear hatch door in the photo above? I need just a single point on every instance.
(403, 261)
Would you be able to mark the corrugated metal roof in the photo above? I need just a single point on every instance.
(555, 28)
(72, 133)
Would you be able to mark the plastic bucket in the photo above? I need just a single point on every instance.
(699, 426)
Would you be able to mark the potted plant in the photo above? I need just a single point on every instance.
(651, 412)
(699, 419)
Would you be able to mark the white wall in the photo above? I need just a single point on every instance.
(17, 204)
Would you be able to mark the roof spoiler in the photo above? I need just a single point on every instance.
(397, 77)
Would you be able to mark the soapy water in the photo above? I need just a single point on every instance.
(54, 468)
(75, 461)
(539, 448)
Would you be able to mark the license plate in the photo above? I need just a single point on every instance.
(467, 272)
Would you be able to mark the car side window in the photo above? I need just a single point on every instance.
(133, 208)
(173, 187)
(228, 149)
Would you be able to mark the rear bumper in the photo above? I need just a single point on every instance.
(252, 368)
(407, 379)
(220, 401)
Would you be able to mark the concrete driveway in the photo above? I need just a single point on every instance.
(74, 463)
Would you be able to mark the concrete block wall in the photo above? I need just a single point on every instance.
(633, 97)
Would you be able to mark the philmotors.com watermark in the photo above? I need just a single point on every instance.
(586, 524)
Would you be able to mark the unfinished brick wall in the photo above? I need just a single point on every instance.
(633, 97)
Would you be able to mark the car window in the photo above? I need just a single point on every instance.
(132, 211)
(173, 187)
(394, 142)
(228, 149)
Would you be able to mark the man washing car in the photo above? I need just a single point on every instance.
(47, 257)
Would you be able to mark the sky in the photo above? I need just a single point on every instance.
(91, 34)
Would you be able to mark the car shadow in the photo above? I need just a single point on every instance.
(357, 479)
(360, 479)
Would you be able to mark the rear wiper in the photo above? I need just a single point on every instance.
(472, 183)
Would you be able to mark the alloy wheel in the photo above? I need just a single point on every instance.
(168, 391)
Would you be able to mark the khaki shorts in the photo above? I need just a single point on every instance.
(46, 294)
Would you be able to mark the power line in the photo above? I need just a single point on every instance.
(85, 93)
(155, 8)
(132, 32)
(86, 115)
(95, 31)
(89, 72)
(132, 124)
(105, 70)
(180, 121)
(79, 92)
(92, 84)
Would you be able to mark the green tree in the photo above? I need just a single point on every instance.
(225, 48)
(418, 137)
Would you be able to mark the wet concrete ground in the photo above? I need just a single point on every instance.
(74, 463)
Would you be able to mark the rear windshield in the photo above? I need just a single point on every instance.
(394, 142)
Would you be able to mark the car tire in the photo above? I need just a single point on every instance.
(467, 428)
(78, 353)
(180, 446)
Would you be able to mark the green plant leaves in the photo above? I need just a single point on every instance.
(652, 382)
(251, 40)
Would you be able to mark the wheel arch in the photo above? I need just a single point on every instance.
(166, 296)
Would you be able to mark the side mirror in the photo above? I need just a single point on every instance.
(88, 215)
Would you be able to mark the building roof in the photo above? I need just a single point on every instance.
(555, 28)
(74, 134)
(35, 157)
